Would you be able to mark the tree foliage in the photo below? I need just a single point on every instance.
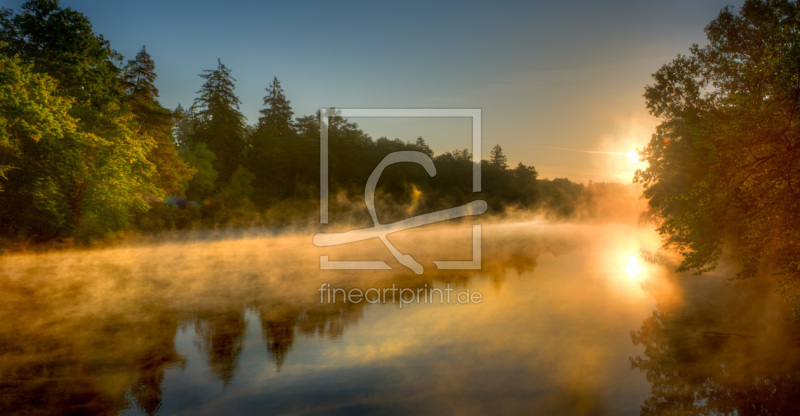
(34, 128)
(220, 124)
(723, 163)
(497, 158)
(86, 148)
(155, 121)
(61, 43)
(82, 169)
(276, 116)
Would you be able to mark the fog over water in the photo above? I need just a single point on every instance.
(235, 325)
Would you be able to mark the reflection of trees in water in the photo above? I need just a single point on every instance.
(86, 366)
(220, 335)
(277, 329)
(330, 320)
(280, 321)
(697, 371)
(43, 377)
(71, 346)
(152, 362)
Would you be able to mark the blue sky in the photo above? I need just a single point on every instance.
(548, 75)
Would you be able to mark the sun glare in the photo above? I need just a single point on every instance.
(633, 268)
(633, 156)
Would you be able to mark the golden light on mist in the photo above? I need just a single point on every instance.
(632, 268)
(415, 197)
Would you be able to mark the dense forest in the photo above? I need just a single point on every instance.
(86, 149)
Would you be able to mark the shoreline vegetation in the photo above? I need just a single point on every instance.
(310, 225)
(89, 156)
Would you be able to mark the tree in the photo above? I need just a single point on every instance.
(91, 180)
(497, 158)
(184, 123)
(723, 163)
(34, 122)
(61, 43)
(155, 121)
(277, 113)
(201, 160)
(220, 124)
(422, 146)
(525, 187)
(274, 152)
(58, 181)
(139, 76)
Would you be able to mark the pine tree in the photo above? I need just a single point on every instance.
(422, 146)
(220, 123)
(497, 158)
(183, 125)
(139, 76)
(276, 117)
(156, 122)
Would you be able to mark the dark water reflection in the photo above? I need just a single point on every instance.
(236, 326)
(720, 349)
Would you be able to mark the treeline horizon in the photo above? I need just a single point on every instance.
(87, 150)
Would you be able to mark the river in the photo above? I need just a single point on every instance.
(245, 324)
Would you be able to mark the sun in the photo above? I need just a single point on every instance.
(633, 156)
(633, 267)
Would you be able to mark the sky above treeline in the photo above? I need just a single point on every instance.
(560, 84)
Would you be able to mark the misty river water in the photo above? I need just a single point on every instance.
(235, 325)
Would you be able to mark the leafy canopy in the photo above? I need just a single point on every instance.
(723, 163)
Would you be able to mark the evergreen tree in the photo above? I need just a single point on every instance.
(275, 154)
(139, 76)
(156, 122)
(497, 158)
(422, 146)
(220, 124)
(184, 122)
(276, 116)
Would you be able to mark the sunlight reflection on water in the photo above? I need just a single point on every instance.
(236, 326)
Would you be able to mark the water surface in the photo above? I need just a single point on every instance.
(236, 326)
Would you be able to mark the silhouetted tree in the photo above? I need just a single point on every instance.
(276, 116)
(220, 124)
(723, 163)
(422, 146)
(497, 158)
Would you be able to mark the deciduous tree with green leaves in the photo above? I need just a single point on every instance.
(38, 143)
(83, 181)
(61, 42)
(724, 162)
